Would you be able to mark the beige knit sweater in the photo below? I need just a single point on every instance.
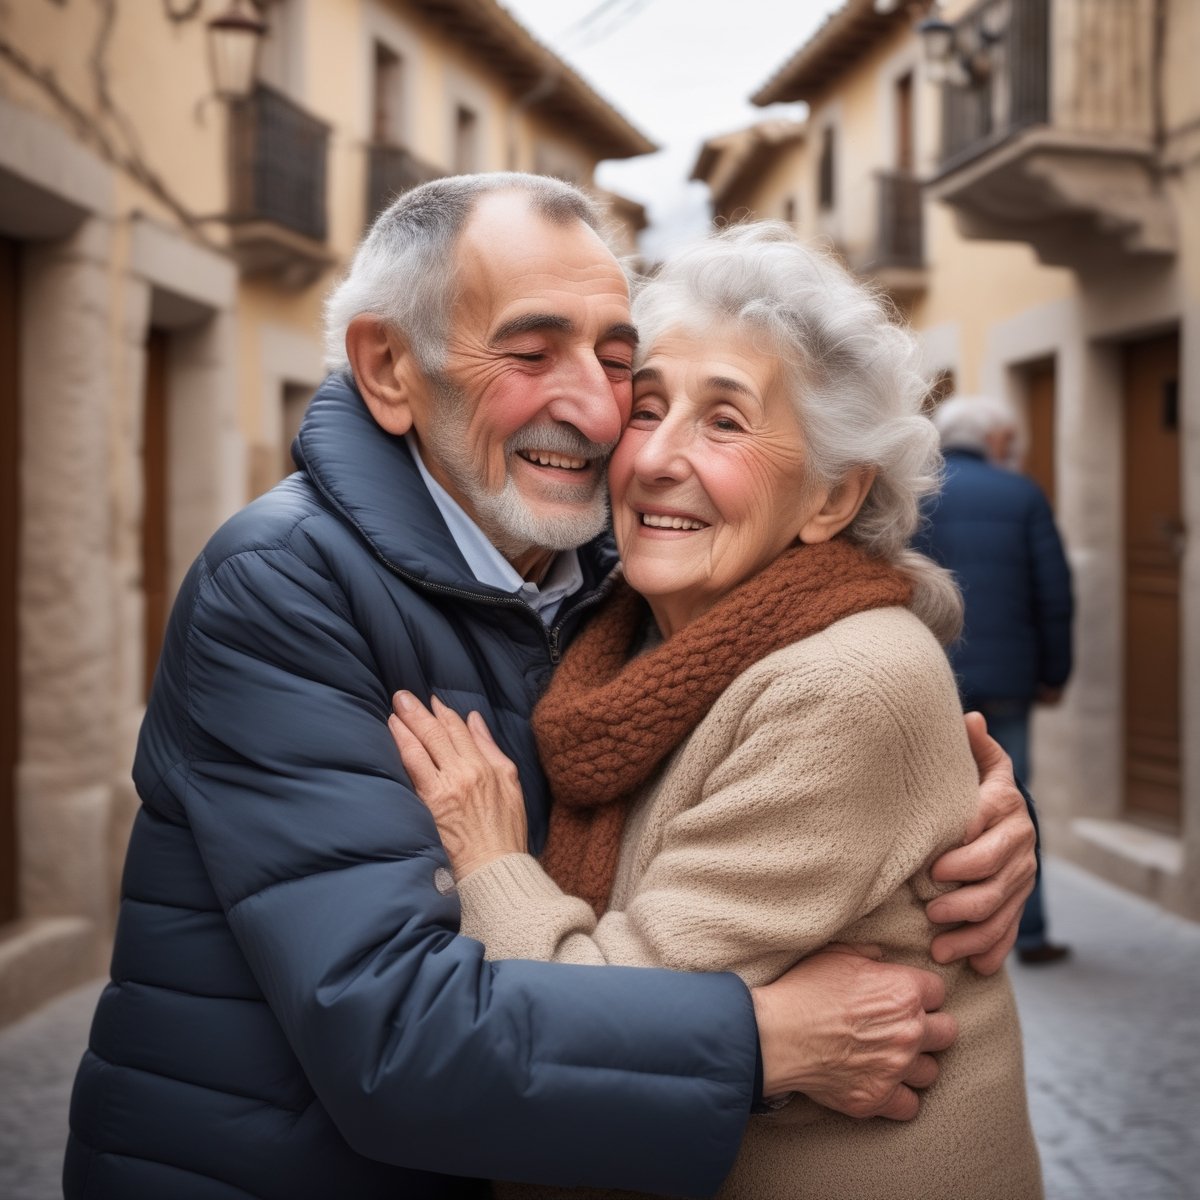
(804, 809)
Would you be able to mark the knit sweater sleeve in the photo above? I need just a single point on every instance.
(829, 774)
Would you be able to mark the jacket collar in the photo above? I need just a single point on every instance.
(370, 478)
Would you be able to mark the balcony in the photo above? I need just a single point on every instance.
(392, 171)
(277, 173)
(898, 264)
(1049, 129)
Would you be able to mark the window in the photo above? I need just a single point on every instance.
(826, 168)
(905, 157)
(387, 114)
(466, 140)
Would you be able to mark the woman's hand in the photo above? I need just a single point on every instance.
(463, 778)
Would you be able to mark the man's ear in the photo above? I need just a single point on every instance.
(386, 371)
(841, 506)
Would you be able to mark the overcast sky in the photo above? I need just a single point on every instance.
(681, 71)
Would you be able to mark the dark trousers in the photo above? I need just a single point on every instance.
(1008, 723)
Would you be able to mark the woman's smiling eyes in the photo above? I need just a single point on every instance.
(721, 416)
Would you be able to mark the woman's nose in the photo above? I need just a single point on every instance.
(663, 453)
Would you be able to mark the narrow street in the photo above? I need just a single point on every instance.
(1112, 1044)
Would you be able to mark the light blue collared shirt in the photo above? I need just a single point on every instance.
(489, 566)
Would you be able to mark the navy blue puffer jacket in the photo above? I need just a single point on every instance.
(291, 1013)
(994, 529)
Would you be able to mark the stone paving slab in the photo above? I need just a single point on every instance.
(38, 1057)
(1112, 1048)
(1112, 1045)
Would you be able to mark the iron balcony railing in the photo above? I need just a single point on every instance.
(1003, 47)
(901, 241)
(1084, 67)
(392, 171)
(278, 157)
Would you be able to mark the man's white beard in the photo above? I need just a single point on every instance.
(505, 516)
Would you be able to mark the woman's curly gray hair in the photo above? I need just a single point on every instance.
(850, 369)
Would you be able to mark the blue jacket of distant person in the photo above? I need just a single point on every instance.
(291, 1014)
(994, 529)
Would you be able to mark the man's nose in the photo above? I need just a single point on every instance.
(586, 397)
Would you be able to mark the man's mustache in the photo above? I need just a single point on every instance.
(558, 438)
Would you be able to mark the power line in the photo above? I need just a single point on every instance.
(601, 22)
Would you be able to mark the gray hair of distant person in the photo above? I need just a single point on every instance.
(851, 372)
(965, 422)
(403, 269)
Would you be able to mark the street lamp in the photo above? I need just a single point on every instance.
(937, 42)
(234, 41)
(961, 55)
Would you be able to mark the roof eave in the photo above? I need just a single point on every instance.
(539, 77)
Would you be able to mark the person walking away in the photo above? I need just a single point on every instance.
(994, 528)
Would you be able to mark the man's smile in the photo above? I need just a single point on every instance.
(547, 458)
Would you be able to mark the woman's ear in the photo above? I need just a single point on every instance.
(841, 506)
(386, 371)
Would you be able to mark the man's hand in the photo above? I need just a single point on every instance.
(852, 1033)
(996, 859)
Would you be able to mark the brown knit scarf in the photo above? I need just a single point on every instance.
(607, 721)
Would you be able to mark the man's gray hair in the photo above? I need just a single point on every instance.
(965, 422)
(403, 269)
(850, 369)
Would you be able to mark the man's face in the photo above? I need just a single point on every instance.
(537, 380)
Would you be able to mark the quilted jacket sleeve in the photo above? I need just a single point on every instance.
(1051, 594)
(424, 1054)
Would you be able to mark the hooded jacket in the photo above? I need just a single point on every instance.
(994, 529)
(291, 1014)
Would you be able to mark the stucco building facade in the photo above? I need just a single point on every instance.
(163, 258)
(1030, 204)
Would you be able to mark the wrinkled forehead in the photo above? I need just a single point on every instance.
(509, 252)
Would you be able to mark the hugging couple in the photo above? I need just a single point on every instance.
(427, 767)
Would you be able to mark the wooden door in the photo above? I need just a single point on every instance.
(10, 466)
(154, 501)
(1153, 548)
(1039, 458)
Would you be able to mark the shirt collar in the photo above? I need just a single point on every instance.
(488, 565)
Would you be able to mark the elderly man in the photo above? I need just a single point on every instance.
(994, 529)
(292, 1014)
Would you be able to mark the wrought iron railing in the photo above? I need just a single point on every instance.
(391, 171)
(1083, 66)
(900, 241)
(1003, 49)
(278, 155)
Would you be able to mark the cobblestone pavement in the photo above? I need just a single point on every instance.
(1112, 1047)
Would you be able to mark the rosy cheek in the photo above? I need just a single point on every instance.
(509, 404)
(620, 466)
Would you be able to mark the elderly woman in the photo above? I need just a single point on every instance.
(756, 748)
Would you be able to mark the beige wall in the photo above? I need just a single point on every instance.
(113, 182)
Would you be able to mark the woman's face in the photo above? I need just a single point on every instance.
(708, 481)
